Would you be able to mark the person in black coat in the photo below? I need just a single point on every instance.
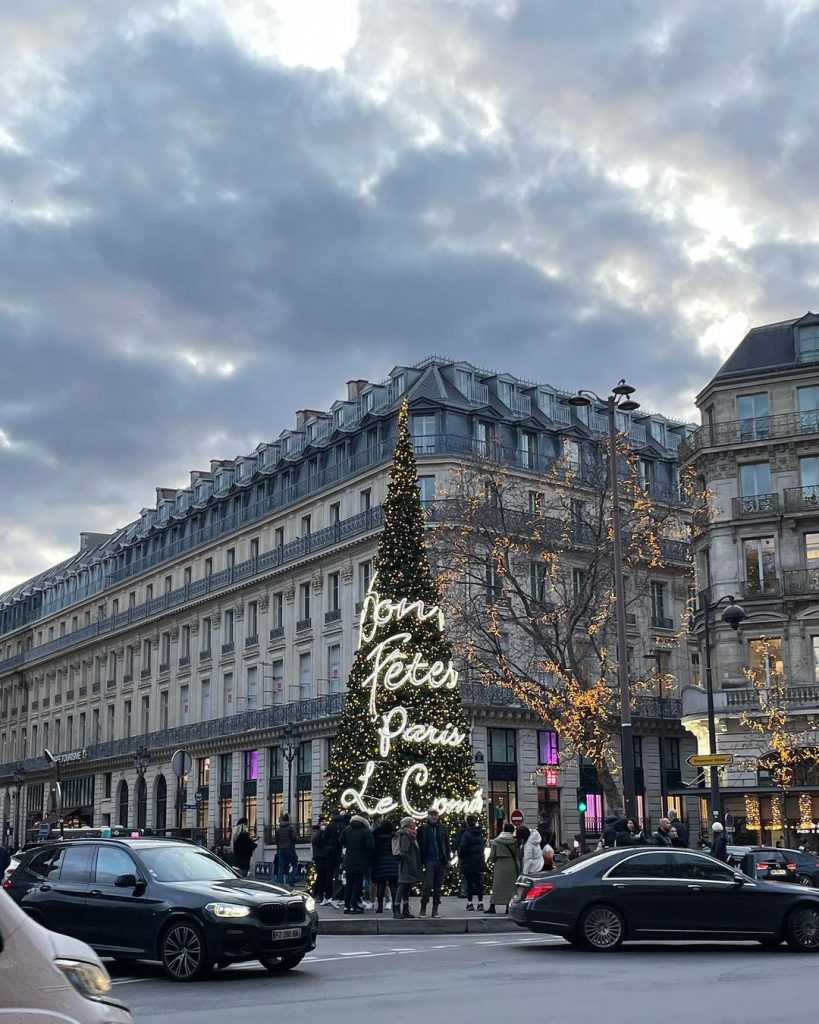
(324, 883)
(5, 859)
(335, 844)
(358, 855)
(662, 837)
(681, 827)
(470, 849)
(433, 842)
(243, 847)
(719, 844)
(384, 872)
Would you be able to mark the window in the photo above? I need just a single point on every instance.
(203, 775)
(149, 593)
(333, 592)
(252, 619)
(536, 499)
(807, 400)
(766, 658)
(759, 559)
(578, 585)
(696, 677)
(277, 610)
(205, 694)
(809, 480)
(334, 668)
(815, 645)
(808, 344)
(502, 747)
(184, 704)
(705, 869)
(645, 469)
(485, 437)
(112, 861)
(812, 550)
(207, 627)
(644, 865)
(163, 709)
(230, 622)
(426, 489)
(570, 451)
(528, 449)
(146, 657)
(252, 688)
(230, 558)
(145, 716)
(304, 784)
(335, 513)
(186, 577)
(277, 680)
(131, 604)
(365, 572)
(166, 649)
(423, 432)
(208, 567)
(537, 580)
(81, 737)
(549, 756)
(304, 601)
(126, 718)
(752, 411)
(279, 537)
(228, 693)
(494, 586)
(306, 525)
(76, 864)
(305, 675)
(254, 547)
(365, 500)
(658, 605)
(755, 479)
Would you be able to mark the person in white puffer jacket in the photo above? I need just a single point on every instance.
(530, 846)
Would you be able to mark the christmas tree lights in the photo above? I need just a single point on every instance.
(403, 743)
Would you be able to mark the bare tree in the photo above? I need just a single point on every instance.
(527, 566)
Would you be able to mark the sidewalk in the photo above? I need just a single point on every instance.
(454, 920)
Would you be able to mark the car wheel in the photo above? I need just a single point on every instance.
(280, 964)
(184, 953)
(602, 928)
(802, 929)
(805, 880)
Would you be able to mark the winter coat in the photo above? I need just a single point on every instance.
(610, 829)
(533, 860)
(426, 832)
(719, 846)
(470, 850)
(358, 846)
(682, 832)
(243, 847)
(385, 863)
(504, 853)
(409, 870)
(318, 842)
(661, 838)
(286, 837)
(335, 833)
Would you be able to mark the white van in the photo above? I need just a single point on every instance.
(47, 978)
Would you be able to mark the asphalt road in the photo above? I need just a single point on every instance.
(371, 979)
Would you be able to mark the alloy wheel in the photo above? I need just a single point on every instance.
(603, 928)
(805, 880)
(805, 928)
(182, 952)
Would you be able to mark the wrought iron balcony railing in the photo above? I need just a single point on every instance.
(748, 505)
(736, 432)
(761, 588)
(801, 582)
(802, 499)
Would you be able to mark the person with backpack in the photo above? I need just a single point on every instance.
(286, 839)
(469, 846)
(243, 847)
(504, 854)
(405, 845)
(385, 864)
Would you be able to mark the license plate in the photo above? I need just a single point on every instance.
(778, 873)
(280, 934)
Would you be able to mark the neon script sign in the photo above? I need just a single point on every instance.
(392, 668)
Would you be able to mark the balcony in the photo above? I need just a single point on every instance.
(96, 687)
(761, 589)
(110, 684)
(228, 647)
(252, 641)
(802, 499)
(750, 505)
(521, 405)
(661, 622)
(277, 633)
(797, 697)
(801, 582)
(477, 394)
(164, 667)
(145, 674)
(205, 655)
(760, 430)
(637, 434)
(58, 698)
(333, 616)
(184, 660)
(303, 624)
(83, 691)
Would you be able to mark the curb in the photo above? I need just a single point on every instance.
(438, 926)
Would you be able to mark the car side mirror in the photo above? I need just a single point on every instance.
(126, 881)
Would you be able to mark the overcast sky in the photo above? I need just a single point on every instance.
(214, 212)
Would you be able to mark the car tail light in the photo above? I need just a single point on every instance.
(762, 864)
(7, 883)
(541, 889)
(791, 867)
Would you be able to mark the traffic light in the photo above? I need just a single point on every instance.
(582, 801)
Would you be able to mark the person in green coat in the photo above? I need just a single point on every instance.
(358, 854)
(504, 855)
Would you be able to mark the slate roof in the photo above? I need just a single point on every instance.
(769, 347)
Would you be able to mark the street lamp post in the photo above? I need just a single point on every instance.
(619, 400)
(733, 616)
(657, 657)
(19, 778)
(142, 759)
(290, 749)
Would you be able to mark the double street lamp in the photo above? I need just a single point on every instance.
(618, 401)
(290, 748)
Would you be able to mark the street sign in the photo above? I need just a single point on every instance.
(181, 763)
(710, 760)
(517, 818)
(189, 807)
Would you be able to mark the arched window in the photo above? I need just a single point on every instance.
(141, 802)
(122, 801)
(161, 803)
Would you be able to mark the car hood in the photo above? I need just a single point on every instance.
(238, 890)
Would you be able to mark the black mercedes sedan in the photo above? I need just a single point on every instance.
(163, 899)
(638, 893)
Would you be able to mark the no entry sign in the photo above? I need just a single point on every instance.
(517, 819)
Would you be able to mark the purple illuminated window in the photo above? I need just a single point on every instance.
(251, 764)
(548, 756)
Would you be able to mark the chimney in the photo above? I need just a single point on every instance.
(91, 540)
(219, 463)
(198, 474)
(165, 494)
(303, 415)
(354, 389)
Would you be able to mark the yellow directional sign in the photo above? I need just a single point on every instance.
(710, 760)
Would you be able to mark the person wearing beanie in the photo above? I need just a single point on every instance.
(719, 844)
(409, 867)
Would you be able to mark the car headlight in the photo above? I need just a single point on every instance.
(90, 980)
(228, 909)
(310, 904)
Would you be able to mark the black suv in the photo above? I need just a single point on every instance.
(163, 899)
(765, 862)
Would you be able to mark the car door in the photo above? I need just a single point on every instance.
(717, 904)
(63, 890)
(120, 918)
(644, 889)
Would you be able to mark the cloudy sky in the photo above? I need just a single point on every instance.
(214, 212)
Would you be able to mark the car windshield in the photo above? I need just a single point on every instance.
(183, 864)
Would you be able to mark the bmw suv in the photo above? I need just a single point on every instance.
(163, 899)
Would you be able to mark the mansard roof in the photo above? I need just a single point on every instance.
(765, 348)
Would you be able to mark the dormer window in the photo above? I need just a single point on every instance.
(400, 381)
(808, 344)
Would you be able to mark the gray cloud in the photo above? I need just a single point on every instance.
(197, 238)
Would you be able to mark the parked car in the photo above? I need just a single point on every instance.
(13, 863)
(47, 978)
(163, 899)
(604, 899)
(807, 867)
(765, 862)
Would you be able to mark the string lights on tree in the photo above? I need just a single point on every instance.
(402, 745)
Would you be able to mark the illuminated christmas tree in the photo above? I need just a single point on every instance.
(403, 742)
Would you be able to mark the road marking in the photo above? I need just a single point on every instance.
(447, 945)
(358, 952)
(403, 949)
